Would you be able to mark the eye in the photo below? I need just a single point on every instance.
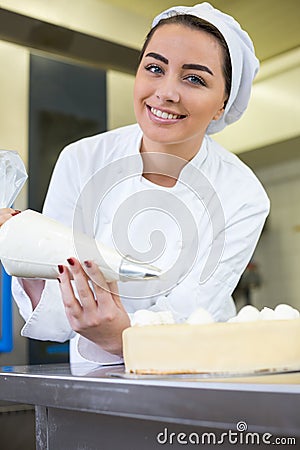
(154, 68)
(195, 79)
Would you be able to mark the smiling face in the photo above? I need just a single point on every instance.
(179, 89)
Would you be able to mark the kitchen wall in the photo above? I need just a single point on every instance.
(273, 111)
(119, 99)
(278, 252)
(14, 102)
(95, 17)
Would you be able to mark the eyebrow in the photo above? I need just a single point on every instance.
(158, 56)
(198, 67)
(185, 66)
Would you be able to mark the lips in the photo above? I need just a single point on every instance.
(165, 115)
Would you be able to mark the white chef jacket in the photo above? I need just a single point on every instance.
(217, 199)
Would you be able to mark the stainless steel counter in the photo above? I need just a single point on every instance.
(79, 406)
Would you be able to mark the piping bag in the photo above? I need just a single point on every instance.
(12, 177)
(33, 245)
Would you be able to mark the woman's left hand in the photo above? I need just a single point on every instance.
(98, 316)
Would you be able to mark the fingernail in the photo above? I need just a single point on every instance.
(58, 279)
(88, 264)
(60, 268)
(15, 213)
(71, 261)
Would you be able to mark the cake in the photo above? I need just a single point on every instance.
(239, 346)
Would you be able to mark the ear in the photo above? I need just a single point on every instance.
(219, 113)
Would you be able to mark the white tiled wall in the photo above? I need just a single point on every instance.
(278, 252)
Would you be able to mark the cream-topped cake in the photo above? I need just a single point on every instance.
(248, 343)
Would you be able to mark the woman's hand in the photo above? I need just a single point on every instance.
(98, 313)
(7, 213)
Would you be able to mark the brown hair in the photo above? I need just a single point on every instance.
(199, 24)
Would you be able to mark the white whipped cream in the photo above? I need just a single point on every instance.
(267, 314)
(144, 317)
(284, 311)
(246, 314)
(281, 312)
(200, 316)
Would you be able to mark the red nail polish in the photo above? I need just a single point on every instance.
(15, 213)
(71, 261)
(60, 268)
(88, 264)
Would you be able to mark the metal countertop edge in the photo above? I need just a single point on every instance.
(157, 401)
(206, 385)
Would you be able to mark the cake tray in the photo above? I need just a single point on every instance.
(200, 376)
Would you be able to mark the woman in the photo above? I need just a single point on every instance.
(194, 78)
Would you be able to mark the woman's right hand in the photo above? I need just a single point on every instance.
(6, 214)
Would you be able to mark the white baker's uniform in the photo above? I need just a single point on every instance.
(217, 199)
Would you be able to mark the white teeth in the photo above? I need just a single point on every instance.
(163, 115)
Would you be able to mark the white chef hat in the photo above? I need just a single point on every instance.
(243, 60)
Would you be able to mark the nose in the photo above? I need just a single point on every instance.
(168, 90)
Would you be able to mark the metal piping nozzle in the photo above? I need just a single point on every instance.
(133, 270)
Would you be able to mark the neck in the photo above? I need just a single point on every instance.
(185, 150)
(162, 163)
